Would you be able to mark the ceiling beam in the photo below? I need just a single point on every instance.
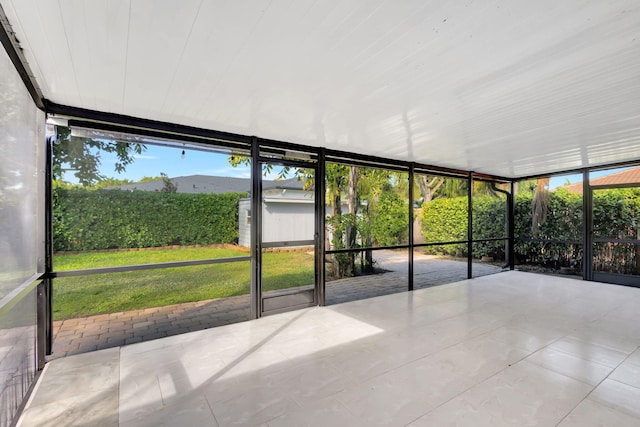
(12, 46)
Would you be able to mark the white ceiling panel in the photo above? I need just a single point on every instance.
(510, 88)
(41, 33)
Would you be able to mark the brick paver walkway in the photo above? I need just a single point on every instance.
(92, 333)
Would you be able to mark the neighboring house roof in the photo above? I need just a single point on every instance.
(629, 176)
(194, 184)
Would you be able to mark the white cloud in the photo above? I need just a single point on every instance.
(228, 171)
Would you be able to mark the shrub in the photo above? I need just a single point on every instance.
(489, 221)
(563, 223)
(445, 220)
(389, 220)
(615, 215)
(109, 219)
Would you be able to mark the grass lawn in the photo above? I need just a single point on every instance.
(62, 261)
(116, 292)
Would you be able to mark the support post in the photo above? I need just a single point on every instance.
(46, 311)
(320, 195)
(511, 216)
(470, 225)
(256, 230)
(41, 325)
(587, 227)
(411, 236)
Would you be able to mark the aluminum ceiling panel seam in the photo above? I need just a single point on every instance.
(38, 47)
(126, 59)
(214, 90)
(182, 53)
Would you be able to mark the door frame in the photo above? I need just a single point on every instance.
(294, 296)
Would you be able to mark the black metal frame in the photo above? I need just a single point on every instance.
(576, 171)
(320, 215)
(256, 231)
(47, 300)
(195, 137)
(614, 278)
(318, 157)
(366, 248)
(142, 267)
(13, 49)
(411, 220)
(470, 225)
(511, 229)
(287, 294)
(587, 221)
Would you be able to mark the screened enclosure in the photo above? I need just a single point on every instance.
(22, 236)
(172, 161)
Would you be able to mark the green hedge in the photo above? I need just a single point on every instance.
(616, 213)
(445, 220)
(107, 219)
(389, 220)
(563, 222)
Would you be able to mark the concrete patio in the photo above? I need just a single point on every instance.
(85, 334)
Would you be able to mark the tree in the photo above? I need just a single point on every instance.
(336, 176)
(111, 182)
(168, 186)
(83, 156)
(150, 178)
(540, 205)
(428, 186)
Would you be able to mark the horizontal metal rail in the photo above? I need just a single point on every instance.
(151, 133)
(610, 240)
(615, 186)
(490, 239)
(567, 242)
(377, 248)
(452, 242)
(140, 267)
(307, 164)
(416, 245)
(294, 243)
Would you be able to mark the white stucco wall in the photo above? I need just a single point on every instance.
(287, 220)
(283, 220)
(244, 226)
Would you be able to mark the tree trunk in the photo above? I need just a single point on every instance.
(539, 205)
(368, 254)
(335, 270)
(428, 188)
(352, 203)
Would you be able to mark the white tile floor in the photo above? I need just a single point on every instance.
(508, 349)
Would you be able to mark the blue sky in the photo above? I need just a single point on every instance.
(559, 181)
(157, 159)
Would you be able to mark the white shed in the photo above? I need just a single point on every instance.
(287, 215)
